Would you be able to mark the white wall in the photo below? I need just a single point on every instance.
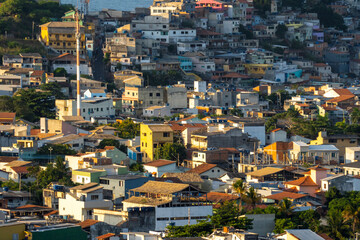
(180, 212)
(256, 131)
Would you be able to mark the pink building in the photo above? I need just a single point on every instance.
(310, 183)
(216, 5)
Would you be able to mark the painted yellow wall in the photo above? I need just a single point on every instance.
(7, 231)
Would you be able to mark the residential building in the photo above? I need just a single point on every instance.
(117, 187)
(352, 154)
(60, 36)
(87, 175)
(175, 202)
(68, 62)
(80, 202)
(339, 141)
(159, 167)
(207, 171)
(157, 111)
(91, 109)
(51, 195)
(352, 168)
(277, 174)
(344, 183)
(153, 136)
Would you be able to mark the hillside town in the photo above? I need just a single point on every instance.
(186, 119)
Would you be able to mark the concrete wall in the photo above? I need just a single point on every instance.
(262, 223)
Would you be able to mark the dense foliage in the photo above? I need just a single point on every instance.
(226, 216)
(112, 142)
(30, 104)
(17, 16)
(171, 151)
(127, 129)
(162, 78)
(57, 149)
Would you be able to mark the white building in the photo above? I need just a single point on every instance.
(68, 62)
(80, 202)
(91, 108)
(200, 86)
(174, 202)
(352, 154)
(176, 96)
(196, 46)
(157, 111)
(159, 167)
(277, 135)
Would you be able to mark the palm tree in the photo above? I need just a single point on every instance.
(252, 197)
(240, 188)
(355, 116)
(285, 207)
(337, 226)
(351, 214)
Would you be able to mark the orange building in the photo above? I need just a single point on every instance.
(278, 151)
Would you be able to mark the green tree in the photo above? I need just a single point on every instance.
(282, 224)
(337, 226)
(331, 194)
(355, 116)
(127, 129)
(240, 188)
(252, 197)
(201, 229)
(54, 88)
(6, 104)
(137, 167)
(112, 142)
(310, 219)
(351, 214)
(285, 208)
(173, 151)
(60, 72)
(57, 149)
(228, 215)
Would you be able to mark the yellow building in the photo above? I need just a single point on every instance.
(10, 231)
(152, 137)
(61, 37)
(257, 70)
(339, 141)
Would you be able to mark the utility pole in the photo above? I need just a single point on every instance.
(78, 36)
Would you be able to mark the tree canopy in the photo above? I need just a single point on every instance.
(127, 129)
(57, 149)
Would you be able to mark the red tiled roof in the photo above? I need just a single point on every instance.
(159, 163)
(7, 117)
(341, 98)
(182, 127)
(109, 147)
(52, 213)
(217, 197)
(320, 65)
(235, 75)
(34, 131)
(106, 236)
(318, 168)
(87, 223)
(32, 206)
(37, 73)
(7, 159)
(343, 91)
(202, 168)
(277, 129)
(22, 169)
(303, 181)
(289, 195)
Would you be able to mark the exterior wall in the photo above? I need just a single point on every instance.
(11, 231)
(58, 234)
(352, 154)
(262, 223)
(196, 213)
(215, 172)
(109, 216)
(161, 170)
(256, 131)
(71, 69)
(278, 136)
(176, 97)
(149, 141)
(78, 209)
(351, 171)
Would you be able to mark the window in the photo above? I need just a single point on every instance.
(121, 183)
(94, 197)
(324, 185)
(104, 181)
(166, 134)
(158, 94)
(150, 94)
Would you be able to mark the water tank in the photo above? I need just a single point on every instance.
(6, 189)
